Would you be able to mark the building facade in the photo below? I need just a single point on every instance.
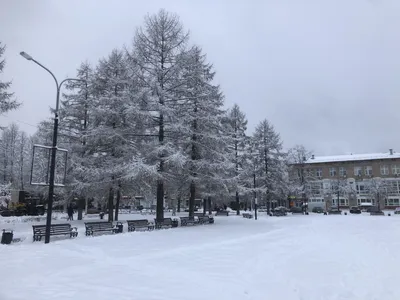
(350, 180)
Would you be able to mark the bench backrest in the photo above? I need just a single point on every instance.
(53, 228)
(143, 222)
(99, 225)
(166, 221)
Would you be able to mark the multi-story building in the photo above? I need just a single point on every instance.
(362, 179)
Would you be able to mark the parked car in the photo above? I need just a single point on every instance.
(296, 210)
(397, 211)
(318, 210)
(282, 208)
(279, 211)
(373, 209)
(355, 210)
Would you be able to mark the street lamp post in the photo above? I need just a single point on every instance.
(255, 196)
(54, 146)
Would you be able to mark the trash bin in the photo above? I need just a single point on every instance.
(120, 228)
(7, 237)
(101, 215)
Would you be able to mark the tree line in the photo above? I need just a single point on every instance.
(149, 120)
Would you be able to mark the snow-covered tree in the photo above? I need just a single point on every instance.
(268, 149)
(157, 48)
(299, 175)
(112, 139)
(74, 122)
(200, 116)
(377, 189)
(110, 124)
(7, 100)
(238, 126)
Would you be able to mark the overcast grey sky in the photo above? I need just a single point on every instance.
(326, 73)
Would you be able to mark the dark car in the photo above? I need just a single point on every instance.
(373, 209)
(318, 210)
(355, 210)
(279, 211)
(296, 210)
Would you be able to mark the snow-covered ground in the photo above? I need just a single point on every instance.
(292, 258)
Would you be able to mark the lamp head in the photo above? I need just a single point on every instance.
(26, 55)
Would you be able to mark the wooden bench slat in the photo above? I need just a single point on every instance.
(92, 227)
(167, 222)
(139, 224)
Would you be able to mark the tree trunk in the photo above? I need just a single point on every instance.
(160, 200)
(81, 202)
(237, 204)
(173, 202)
(179, 203)
(204, 206)
(86, 204)
(191, 199)
(110, 204)
(209, 206)
(117, 203)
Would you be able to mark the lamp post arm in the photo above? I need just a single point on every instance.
(59, 88)
(38, 63)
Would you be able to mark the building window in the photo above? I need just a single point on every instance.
(392, 202)
(368, 170)
(342, 172)
(318, 173)
(332, 172)
(342, 201)
(395, 169)
(360, 188)
(385, 170)
(392, 187)
(357, 171)
(316, 188)
(364, 201)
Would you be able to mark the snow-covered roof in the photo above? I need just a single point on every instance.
(352, 157)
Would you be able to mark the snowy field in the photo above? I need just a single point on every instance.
(290, 258)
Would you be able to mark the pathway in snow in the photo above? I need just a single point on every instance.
(294, 257)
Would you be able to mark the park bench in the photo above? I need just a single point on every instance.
(166, 223)
(93, 227)
(206, 219)
(222, 213)
(334, 212)
(55, 229)
(247, 215)
(185, 221)
(376, 213)
(134, 225)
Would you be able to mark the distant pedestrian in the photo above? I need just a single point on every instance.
(70, 211)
